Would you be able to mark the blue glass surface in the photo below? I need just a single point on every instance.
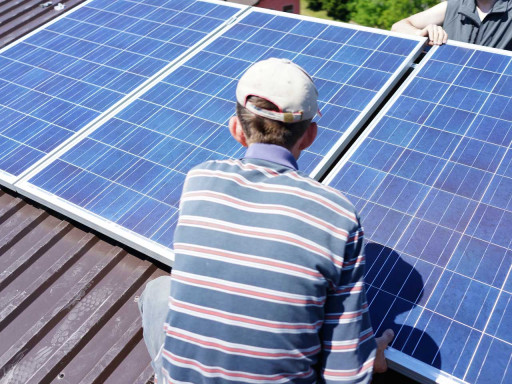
(433, 184)
(70, 72)
(138, 159)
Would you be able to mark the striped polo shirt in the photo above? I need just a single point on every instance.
(267, 284)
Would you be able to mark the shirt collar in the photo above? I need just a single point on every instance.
(468, 8)
(273, 153)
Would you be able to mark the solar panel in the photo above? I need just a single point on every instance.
(59, 79)
(136, 162)
(432, 180)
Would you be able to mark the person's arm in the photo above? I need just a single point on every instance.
(350, 353)
(380, 365)
(427, 23)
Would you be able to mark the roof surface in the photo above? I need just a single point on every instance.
(67, 301)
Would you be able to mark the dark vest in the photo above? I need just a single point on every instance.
(462, 23)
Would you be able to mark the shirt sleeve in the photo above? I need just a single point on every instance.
(348, 342)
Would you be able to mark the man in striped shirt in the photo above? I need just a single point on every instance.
(267, 284)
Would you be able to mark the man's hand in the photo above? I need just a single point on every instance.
(427, 23)
(380, 365)
(435, 33)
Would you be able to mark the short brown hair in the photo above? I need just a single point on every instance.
(259, 129)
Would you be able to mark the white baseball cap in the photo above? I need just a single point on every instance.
(284, 84)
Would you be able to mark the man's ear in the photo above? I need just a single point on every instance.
(235, 128)
(309, 136)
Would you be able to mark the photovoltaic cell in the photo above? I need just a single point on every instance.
(59, 79)
(136, 162)
(432, 181)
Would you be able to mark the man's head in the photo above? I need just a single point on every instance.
(276, 102)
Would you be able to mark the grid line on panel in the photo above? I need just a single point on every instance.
(154, 131)
(453, 271)
(204, 93)
(313, 39)
(106, 187)
(484, 331)
(425, 152)
(434, 182)
(429, 186)
(460, 108)
(187, 10)
(122, 31)
(84, 58)
(441, 226)
(156, 39)
(121, 185)
(331, 59)
(161, 107)
(501, 290)
(412, 138)
(103, 45)
(53, 96)
(474, 212)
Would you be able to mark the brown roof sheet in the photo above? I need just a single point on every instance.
(18, 17)
(67, 301)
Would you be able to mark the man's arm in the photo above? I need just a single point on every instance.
(427, 23)
(349, 347)
(380, 365)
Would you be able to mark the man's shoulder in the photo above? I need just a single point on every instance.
(277, 179)
(325, 191)
(214, 165)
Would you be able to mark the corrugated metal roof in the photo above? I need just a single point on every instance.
(18, 17)
(67, 309)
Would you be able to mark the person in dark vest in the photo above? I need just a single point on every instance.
(482, 22)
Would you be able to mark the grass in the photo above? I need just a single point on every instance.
(308, 12)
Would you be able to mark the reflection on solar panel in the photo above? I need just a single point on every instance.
(134, 165)
(432, 179)
(56, 81)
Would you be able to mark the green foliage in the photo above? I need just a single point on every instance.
(315, 5)
(384, 13)
(372, 13)
(337, 9)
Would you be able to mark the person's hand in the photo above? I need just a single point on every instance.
(380, 365)
(435, 33)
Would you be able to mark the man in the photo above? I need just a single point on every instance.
(267, 284)
(483, 22)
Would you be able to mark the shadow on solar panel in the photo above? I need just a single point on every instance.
(395, 289)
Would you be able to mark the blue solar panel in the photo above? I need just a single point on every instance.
(432, 180)
(144, 152)
(59, 79)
